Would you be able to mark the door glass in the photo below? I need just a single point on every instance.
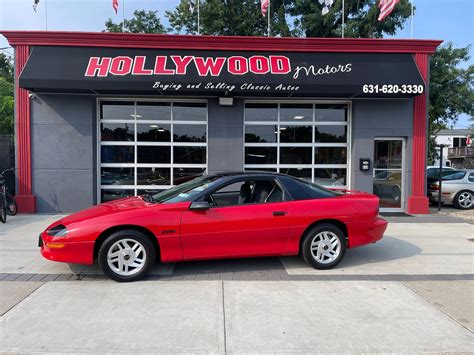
(387, 182)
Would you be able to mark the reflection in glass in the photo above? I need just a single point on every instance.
(261, 112)
(107, 195)
(153, 176)
(189, 111)
(296, 112)
(295, 155)
(116, 132)
(154, 155)
(142, 192)
(117, 176)
(260, 155)
(387, 186)
(189, 133)
(388, 154)
(330, 155)
(261, 134)
(274, 170)
(157, 111)
(189, 155)
(331, 112)
(153, 132)
(117, 110)
(296, 134)
(330, 177)
(304, 174)
(116, 154)
(181, 175)
(330, 134)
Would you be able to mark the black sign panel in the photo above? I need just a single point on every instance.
(175, 72)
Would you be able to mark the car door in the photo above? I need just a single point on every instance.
(253, 225)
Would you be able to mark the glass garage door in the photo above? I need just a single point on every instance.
(308, 140)
(149, 146)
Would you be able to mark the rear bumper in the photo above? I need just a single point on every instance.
(445, 197)
(66, 252)
(363, 234)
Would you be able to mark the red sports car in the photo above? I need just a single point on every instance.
(226, 215)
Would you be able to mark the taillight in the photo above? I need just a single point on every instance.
(434, 187)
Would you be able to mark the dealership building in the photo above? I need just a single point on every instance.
(101, 116)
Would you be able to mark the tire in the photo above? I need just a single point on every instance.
(321, 237)
(118, 255)
(464, 200)
(12, 208)
(396, 194)
(3, 211)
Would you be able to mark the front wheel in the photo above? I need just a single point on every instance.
(126, 255)
(323, 246)
(464, 200)
(12, 208)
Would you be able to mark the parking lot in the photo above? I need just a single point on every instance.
(411, 292)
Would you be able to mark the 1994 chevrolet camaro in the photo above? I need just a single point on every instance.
(227, 215)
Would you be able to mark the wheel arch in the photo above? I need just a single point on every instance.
(103, 236)
(334, 222)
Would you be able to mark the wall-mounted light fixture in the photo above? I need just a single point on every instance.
(226, 101)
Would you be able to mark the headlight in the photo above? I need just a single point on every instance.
(58, 231)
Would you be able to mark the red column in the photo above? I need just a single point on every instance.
(418, 203)
(24, 198)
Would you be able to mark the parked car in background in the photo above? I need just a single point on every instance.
(457, 188)
(432, 171)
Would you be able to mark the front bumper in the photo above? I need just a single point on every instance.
(55, 249)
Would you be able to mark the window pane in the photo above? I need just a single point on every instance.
(300, 173)
(261, 112)
(296, 134)
(117, 132)
(189, 155)
(118, 111)
(297, 113)
(388, 154)
(189, 133)
(261, 169)
(261, 134)
(181, 175)
(110, 195)
(153, 176)
(142, 192)
(189, 111)
(158, 111)
(332, 112)
(116, 154)
(117, 176)
(260, 155)
(330, 177)
(330, 155)
(295, 155)
(330, 134)
(154, 132)
(154, 155)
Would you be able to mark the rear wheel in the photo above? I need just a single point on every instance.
(464, 200)
(323, 246)
(3, 211)
(12, 208)
(126, 255)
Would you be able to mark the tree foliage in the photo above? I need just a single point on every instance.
(6, 95)
(289, 18)
(451, 89)
(142, 22)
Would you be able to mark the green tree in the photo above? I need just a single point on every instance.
(142, 22)
(6, 95)
(451, 90)
(289, 18)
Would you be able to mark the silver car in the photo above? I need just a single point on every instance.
(457, 189)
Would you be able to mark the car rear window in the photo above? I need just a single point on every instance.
(456, 175)
(304, 190)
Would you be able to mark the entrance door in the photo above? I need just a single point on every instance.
(389, 159)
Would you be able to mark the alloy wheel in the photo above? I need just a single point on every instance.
(325, 247)
(465, 200)
(126, 257)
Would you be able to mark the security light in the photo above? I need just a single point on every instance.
(226, 101)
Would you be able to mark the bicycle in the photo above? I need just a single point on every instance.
(7, 203)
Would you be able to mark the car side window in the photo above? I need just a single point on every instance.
(471, 177)
(246, 192)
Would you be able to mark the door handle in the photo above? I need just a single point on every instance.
(279, 213)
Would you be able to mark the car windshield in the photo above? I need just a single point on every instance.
(186, 191)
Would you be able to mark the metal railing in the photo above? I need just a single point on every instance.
(461, 152)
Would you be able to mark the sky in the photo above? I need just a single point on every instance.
(448, 20)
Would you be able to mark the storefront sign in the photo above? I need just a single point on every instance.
(111, 70)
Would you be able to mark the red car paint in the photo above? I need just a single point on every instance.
(220, 232)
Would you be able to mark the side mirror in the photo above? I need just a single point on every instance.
(199, 206)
